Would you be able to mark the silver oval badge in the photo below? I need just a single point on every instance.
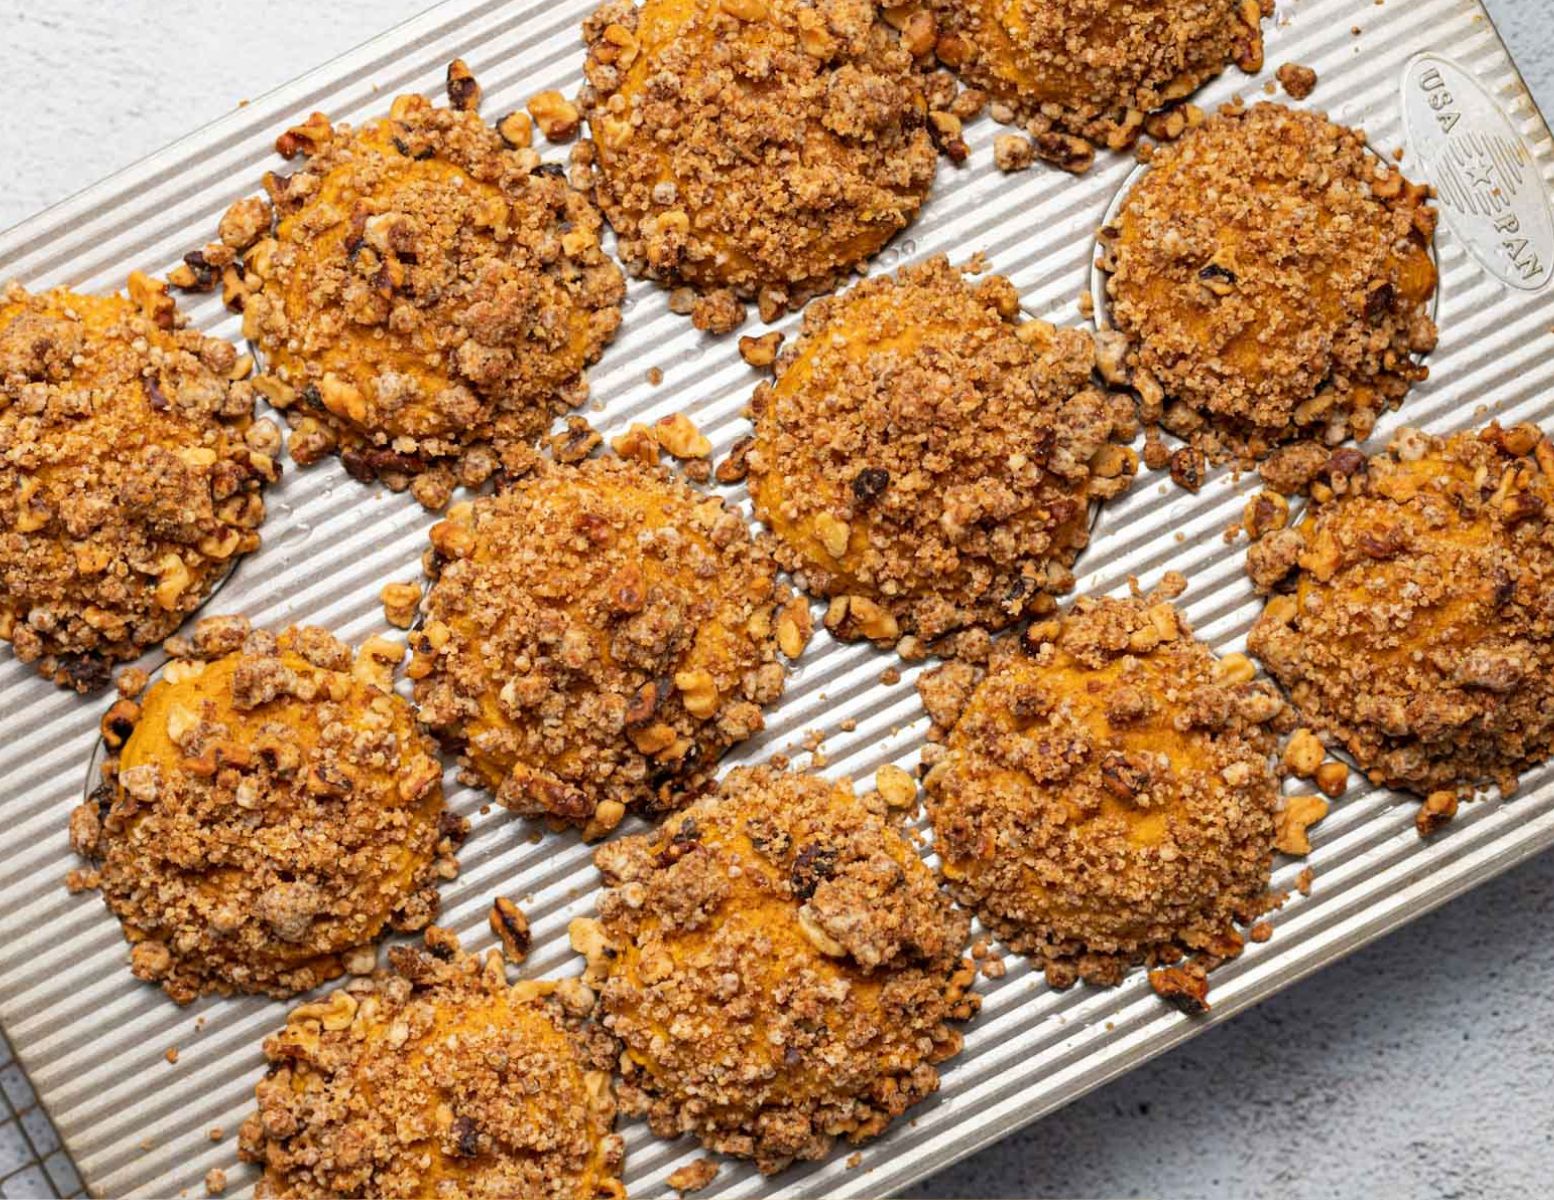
(1485, 178)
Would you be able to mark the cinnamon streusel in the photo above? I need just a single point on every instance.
(781, 967)
(1413, 614)
(268, 806)
(1105, 795)
(1095, 69)
(1273, 279)
(596, 638)
(131, 473)
(758, 148)
(425, 294)
(927, 459)
(437, 1078)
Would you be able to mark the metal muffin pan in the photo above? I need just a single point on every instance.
(93, 1039)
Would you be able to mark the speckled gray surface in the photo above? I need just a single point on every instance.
(1422, 1066)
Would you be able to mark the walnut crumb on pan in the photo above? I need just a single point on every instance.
(1272, 280)
(438, 1078)
(1411, 615)
(596, 637)
(782, 903)
(131, 474)
(1104, 795)
(1088, 72)
(268, 808)
(754, 148)
(927, 459)
(425, 295)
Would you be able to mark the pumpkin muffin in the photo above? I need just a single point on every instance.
(1412, 620)
(753, 148)
(435, 1078)
(1272, 278)
(1094, 69)
(780, 966)
(927, 459)
(1105, 794)
(596, 637)
(131, 473)
(268, 810)
(424, 294)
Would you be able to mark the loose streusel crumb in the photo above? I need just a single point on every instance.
(1272, 278)
(1106, 793)
(1412, 621)
(1096, 68)
(427, 299)
(781, 967)
(131, 474)
(763, 147)
(693, 1177)
(215, 1181)
(596, 638)
(1297, 81)
(927, 460)
(437, 1078)
(268, 806)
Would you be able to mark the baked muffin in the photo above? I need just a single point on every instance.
(927, 459)
(753, 148)
(131, 474)
(780, 966)
(596, 637)
(268, 810)
(1273, 279)
(1412, 620)
(435, 1078)
(1094, 69)
(424, 295)
(1105, 794)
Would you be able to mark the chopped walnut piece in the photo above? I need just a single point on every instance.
(400, 601)
(215, 1181)
(511, 928)
(678, 435)
(274, 810)
(760, 351)
(897, 787)
(1436, 812)
(557, 117)
(1298, 81)
(440, 1071)
(1185, 987)
(1298, 814)
(1011, 152)
(786, 903)
(693, 1177)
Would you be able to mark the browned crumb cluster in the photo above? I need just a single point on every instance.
(1413, 619)
(1105, 795)
(781, 967)
(1095, 69)
(758, 148)
(1272, 279)
(269, 806)
(131, 474)
(596, 638)
(927, 459)
(436, 1078)
(425, 295)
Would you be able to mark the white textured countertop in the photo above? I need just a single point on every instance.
(1422, 1066)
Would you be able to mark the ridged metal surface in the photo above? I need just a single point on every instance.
(93, 1039)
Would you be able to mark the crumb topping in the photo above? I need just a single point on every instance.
(1413, 614)
(131, 474)
(268, 806)
(437, 1078)
(596, 638)
(1105, 795)
(425, 296)
(1273, 278)
(762, 146)
(929, 458)
(1096, 68)
(780, 966)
